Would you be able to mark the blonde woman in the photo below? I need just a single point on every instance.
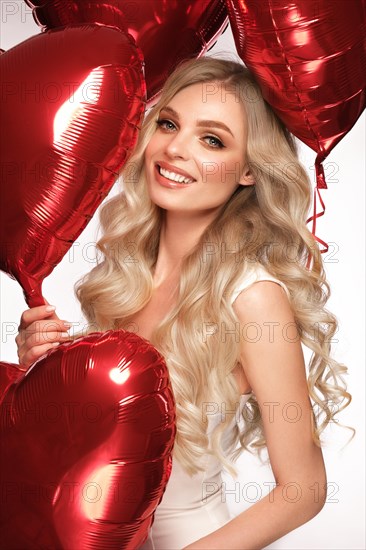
(204, 254)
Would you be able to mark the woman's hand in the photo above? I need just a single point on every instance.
(40, 330)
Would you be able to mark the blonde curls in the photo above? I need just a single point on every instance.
(265, 223)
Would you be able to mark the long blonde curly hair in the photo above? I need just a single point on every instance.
(264, 223)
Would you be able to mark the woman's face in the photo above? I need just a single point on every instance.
(200, 138)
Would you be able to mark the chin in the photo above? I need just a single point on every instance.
(159, 196)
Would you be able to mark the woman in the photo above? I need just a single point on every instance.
(215, 200)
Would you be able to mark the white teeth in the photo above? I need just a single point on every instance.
(174, 177)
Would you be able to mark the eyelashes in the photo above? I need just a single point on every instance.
(163, 123)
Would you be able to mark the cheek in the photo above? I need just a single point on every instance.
(224, 173)
(152, 146)
(148, 151)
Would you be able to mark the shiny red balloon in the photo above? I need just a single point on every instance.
(72, 102)
(309, 58)
(166, 31)
(86, 440)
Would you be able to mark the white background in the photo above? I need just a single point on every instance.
(340, 525)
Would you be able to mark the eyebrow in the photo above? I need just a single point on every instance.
(202, 123)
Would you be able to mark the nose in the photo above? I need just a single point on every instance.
(178, 146)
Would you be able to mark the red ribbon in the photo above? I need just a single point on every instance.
(320, 184)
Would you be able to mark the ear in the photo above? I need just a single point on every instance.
(247, 178)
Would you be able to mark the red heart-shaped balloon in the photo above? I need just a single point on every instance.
(309, 58)
(166, 32)
(72, 102)
(86, 441)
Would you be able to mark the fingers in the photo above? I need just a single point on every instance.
(36, 314)
(43, 334)
(42, 325)
(33, 347)
(29, 356)
(40, 329)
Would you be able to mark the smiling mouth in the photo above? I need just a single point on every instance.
(173, 177)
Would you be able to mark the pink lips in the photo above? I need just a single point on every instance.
(168, 183)
(174, 169)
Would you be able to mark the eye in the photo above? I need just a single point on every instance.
(217, 142)
(166, 124)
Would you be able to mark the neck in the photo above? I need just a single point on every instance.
(178, 236)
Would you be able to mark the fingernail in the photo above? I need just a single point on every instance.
(67, 324)
(56, 344)
(65, 334)
(50, 308)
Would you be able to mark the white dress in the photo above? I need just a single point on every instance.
(193, 506)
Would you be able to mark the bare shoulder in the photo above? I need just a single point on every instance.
(270, 343)
(263, 299)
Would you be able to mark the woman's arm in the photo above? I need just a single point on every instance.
(274, 367)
